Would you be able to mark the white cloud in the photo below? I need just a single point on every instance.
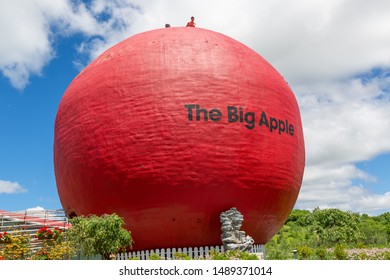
(305, 40)
(24, 47)
(344, 123)
(26, 32)
(9, 187)
(372, 203)
(37, 211)
(347, 197)
(36, 208)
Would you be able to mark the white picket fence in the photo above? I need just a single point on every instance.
(193, 253)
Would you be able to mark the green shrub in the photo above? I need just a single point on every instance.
(154, 257)
(181, 256)
(278, 254)
(363, 256)
(360, 245)
(321, 253)
(340, 253)
(104, 235)
(218, 256)
(386, 256)
(232, 255)
(305, 252)
(247, 256)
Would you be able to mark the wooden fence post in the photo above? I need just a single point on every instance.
(163, 256)
(190, 253)
(169, 254)
(196, 252)
(201, 252)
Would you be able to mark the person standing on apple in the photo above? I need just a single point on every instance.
(191, 23)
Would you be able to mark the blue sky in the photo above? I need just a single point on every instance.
(379, 169)
(27, 120)
(334, 54)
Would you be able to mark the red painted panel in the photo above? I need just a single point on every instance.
(173, 126)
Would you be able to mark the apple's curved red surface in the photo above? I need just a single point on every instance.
(173, 126)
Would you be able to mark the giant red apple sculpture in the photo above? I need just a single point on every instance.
(171, 127)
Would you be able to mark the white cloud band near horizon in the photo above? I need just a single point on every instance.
(325, 49)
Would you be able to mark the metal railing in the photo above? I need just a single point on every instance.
(30, 221)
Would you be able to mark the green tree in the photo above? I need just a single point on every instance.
(374, 231)
(384, 219)
(299, 217)
(104, 235)
(312, 234)
(278, 247)
(334, 226)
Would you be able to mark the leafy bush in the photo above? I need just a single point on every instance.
(276, 254)
(321, 253)
(305, 252)
(219, 256)
(386, 256)
(62, 250)
(154, 257)
(41, 255)
(181, 256)
(232, 255)
(321, 230)
(247, 256)
(340, 253)
(334, 226)
(16, 247)
(103, 235)
(363, 256)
